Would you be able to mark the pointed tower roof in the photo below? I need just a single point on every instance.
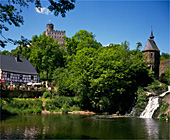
(150, 44)
(151, 37)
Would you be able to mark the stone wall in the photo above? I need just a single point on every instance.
(163, 66)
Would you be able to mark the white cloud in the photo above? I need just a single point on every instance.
(42, 10)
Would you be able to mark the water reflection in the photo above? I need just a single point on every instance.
(152, 128)
(77, 126)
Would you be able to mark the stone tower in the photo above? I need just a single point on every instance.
(50, 27)
(152, 54)
(56, 34)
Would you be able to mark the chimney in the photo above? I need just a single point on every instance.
(17, 59)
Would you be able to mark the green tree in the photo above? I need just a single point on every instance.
(165, 56)
(139, 45)
(165, 77)
(63, 78)
(82, 39)
(46, 55)
(5, 52)
(11, 11)
(105, 79)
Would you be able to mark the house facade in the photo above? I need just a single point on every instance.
(17, 70)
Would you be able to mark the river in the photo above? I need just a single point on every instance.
(73, 126)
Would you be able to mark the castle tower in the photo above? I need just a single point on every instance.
(50, 27)
(57, 35)
(152, 54)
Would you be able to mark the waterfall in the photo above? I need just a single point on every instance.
(153, 104)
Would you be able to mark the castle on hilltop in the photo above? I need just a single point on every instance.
(57, 35)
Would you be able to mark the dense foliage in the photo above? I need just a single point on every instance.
(165, 77)
(16, 106)
(105, 79)
(165, 56)
(20, 106)
(46, 55)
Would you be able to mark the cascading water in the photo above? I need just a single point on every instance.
(153, 104)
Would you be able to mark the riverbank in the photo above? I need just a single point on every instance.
(69, 112)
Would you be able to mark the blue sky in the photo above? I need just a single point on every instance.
(111, 21)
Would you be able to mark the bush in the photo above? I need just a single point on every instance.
(65, 110)
(141, 96)
(62, 103)
(74, 108)
(164, 107)
(162, 117)
(22, 106)
(46, 94)
(168, 117)
(154, 85)
(52, 104)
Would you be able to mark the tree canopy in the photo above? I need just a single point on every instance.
(82, 39)
(165, 56)
(46, 55)
(105, 79)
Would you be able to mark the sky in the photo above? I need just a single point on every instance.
(111, 21)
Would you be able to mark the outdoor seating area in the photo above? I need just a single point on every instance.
(20, 86)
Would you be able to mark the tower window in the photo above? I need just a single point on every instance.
(151, 55)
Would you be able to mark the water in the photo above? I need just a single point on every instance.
(73, 126)
(152, 105)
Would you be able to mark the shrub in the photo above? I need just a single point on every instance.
(141, 96)
(23, 106)
(65, 110)
(52, 104)
(162, 117)
(154, 85)
(46, 94)
(74, 108)
(164, 107)
(168, 117)
(65, 101)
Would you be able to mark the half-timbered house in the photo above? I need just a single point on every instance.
(17, 70)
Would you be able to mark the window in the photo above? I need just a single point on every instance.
(8, 75)
(151, 55)
(21, 76)
(32, 77)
